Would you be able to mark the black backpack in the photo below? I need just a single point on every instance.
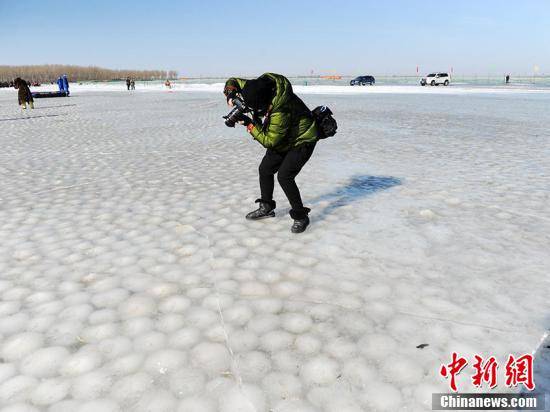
(326, 124)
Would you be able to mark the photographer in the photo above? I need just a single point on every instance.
(283, 124)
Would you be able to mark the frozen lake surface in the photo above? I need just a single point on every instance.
(303, 87)
(130, 280)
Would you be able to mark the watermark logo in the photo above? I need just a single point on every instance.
(488, 401)
(520, 371)
(517, 371)
(452, 370)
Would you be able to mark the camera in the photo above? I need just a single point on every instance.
(236, 113)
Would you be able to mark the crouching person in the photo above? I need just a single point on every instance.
(24, 94)
(284, 125)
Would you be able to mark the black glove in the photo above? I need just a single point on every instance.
(245, 120)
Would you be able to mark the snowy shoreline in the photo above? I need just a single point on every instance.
(301, 89)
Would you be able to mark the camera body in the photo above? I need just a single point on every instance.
(239, 109)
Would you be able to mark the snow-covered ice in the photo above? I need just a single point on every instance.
(303, 87)
(130, 280)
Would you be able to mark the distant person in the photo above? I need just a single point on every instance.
(128, 82)
(60, 83)
(168, 84)
(132, 84)
(507, 79)
(24, 94)
(66, 84)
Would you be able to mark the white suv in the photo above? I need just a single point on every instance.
(435, 79)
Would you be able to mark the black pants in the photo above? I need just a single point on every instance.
(288, 165)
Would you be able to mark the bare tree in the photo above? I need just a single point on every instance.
(50, 72)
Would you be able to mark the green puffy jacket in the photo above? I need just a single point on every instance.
(289, 122)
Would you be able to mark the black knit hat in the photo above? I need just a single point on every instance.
(259, 92)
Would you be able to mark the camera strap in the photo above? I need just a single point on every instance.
(267, 118)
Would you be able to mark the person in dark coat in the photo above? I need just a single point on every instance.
(24, 94)
(128, 83)
(60, 83)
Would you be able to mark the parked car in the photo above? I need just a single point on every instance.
(435, 79)
(362, 81)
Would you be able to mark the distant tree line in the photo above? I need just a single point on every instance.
(50, 72)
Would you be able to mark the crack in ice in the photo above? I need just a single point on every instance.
(237, 374)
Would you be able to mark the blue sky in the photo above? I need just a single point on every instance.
(294, 37)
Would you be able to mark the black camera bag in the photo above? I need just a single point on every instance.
(326, 124)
